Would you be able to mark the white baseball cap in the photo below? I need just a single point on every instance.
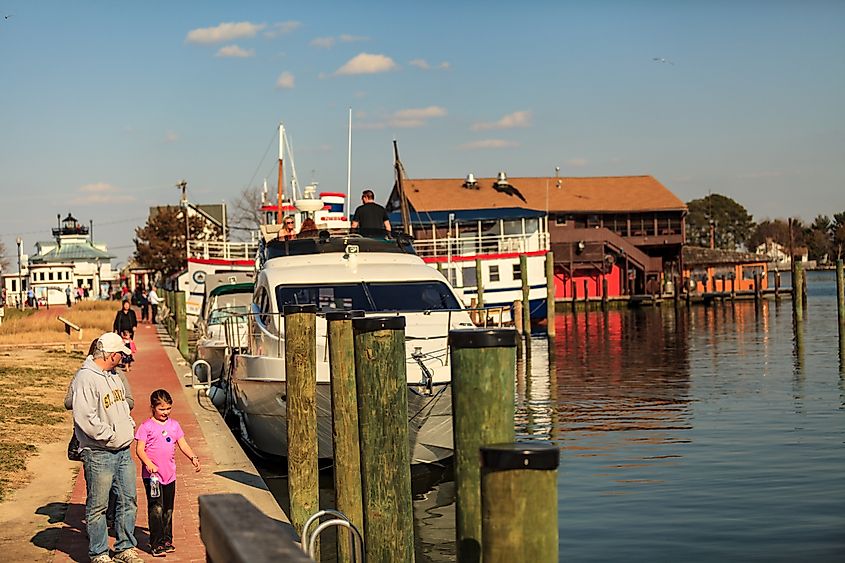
(112, 342)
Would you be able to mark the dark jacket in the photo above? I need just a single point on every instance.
(125, 321)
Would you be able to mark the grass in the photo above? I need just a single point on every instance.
(33, 382)
(43, 327)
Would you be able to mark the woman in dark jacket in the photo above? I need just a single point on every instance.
(125, 319)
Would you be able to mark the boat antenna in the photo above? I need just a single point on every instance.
(348, 205)
(281, 187)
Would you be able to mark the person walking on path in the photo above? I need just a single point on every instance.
(125, 319)
(152, 297)
(144, 302)
(370, 217)
(67, 297)
(104, 428)
(155, 444)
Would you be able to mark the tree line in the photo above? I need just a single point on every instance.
(733, 228)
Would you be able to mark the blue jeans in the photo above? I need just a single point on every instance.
(104, 470)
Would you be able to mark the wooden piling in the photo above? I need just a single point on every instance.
(550, 294)
(574, 287)
(733, 288)
(777, 285)
(804, 289)
(382, 389)
(301, 403)
(181, 323)
(586, 295)
(526, 300)
(479, 283)
(483, 366)
(840, 295)
(604, 294)
(517, 317)
(676, 293)
(798, 290)
(757, 288)
(519, 502)
(345, 437)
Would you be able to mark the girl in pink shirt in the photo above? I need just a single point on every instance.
(155, 443)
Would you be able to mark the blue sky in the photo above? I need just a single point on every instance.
(105, 105)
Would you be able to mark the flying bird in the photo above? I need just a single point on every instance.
(509, 189)
(662, 60)
(8, 16)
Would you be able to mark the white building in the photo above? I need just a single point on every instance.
(779, 254)
(71, 260)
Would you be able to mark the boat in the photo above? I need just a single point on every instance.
(227, 296)
(376, 275)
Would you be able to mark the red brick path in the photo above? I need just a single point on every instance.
(152, 370)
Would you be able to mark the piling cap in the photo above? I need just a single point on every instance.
(294, 309)
(482, 338)
(520, 455)
(372, 324)
(344, 315)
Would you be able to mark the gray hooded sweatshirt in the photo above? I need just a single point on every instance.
(101, 418)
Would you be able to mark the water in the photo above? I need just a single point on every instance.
(703, 436)
(707, 435)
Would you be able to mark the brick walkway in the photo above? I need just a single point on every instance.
(153, 370)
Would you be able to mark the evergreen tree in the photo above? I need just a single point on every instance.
(160, 244)
(729, 222)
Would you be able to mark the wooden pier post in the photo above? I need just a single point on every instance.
(301, 403)
(797, 290)
(777, 285)
(757, 288)
(550, 294)
(382, 388)
(574, 287)
(345, 438)
(181, 323)
(586, 295)
(840, 295)
(604, 294)
(483, 367)
(517, 317)
(526, 300)
(479, 283)
(519, 502)
(804, 288)
(733, 287)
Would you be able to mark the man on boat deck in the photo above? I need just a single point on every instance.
(370, 217)
(288, 230)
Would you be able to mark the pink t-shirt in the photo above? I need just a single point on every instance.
(160, 445)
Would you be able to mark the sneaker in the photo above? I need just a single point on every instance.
(158, 551)
(169, 547)
(102, 558)
(128, 556)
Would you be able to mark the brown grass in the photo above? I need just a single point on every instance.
(43, 327)
(33, 383)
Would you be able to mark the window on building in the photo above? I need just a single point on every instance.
(90, 282)
(50, 276)
(494, 273)
(517, 271)
(468, 275)
(14, 286)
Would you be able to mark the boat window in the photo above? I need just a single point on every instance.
(220, 315)
(412, 296)
(349, 296)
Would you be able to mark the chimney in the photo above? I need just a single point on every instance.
(471, 182)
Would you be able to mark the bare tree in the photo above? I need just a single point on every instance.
(246, 213)
(4, 260)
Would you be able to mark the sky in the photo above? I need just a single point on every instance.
(106, 105)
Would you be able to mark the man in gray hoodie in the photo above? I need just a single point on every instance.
(105, 430)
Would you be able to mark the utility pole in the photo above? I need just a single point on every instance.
(183, 203)
(19, 240)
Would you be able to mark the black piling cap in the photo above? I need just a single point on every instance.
(294, 309)
(520, 455)
(372, 324)
(344, 315)
(482, 338)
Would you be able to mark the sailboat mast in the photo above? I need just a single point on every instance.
(348, 205)
(281, 172)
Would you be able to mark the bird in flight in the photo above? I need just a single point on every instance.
(8, 16)
(662, 60)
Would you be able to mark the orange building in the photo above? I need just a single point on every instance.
(710, 270)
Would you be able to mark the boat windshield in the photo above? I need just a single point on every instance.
(219, 315)
(370, 296)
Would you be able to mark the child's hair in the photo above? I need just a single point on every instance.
(125, 332)
(160, 396)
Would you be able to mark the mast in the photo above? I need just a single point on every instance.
(281, 172)
(403, 201)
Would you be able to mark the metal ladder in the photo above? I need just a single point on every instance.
(340, 519)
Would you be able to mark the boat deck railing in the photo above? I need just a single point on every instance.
(480, 245)
(218, 250)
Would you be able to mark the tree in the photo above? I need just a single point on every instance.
(4, 260)
(731, 223)
(160, 244)
(246, 213)
(818, 238)
(776, 230)
(838, 233)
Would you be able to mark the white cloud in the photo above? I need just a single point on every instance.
(420, 113)
(445, 65)
(510, 121)
(100, 193)
(403, 118)
(346, 38)
(285, 81)
(234, 51)
(171, 137)
(489, 144)
(224, 32)
(323, 42)
(282, 28)
(761, 175)
(420, 63)
(367, 63)
(577, 162)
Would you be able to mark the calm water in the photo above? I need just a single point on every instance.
(706, 435)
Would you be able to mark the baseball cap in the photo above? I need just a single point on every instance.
(112, 342)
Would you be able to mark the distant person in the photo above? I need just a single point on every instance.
(370, 217)
(105, 429)
(127, 339)
(288, 230)
(30, 297)
(144, 302)
(125, 319)
(155, 444)
(308, 228)
(154, 300)
(67, 296)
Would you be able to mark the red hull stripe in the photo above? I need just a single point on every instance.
(436, 259)
(333, 194)
(221, 262)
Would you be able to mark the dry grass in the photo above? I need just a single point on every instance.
(94, 317)
(33, 383)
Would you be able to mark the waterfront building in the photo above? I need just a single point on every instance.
(778, 254)
(710, 270)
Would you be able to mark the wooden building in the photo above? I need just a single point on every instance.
(711, 270)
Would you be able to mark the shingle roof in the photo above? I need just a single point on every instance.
(702, 256)
(606, 194)
(70, 252)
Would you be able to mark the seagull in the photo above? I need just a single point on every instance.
(8, 16)
(662, 60)
(509, 189)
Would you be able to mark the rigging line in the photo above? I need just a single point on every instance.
(257, 168)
